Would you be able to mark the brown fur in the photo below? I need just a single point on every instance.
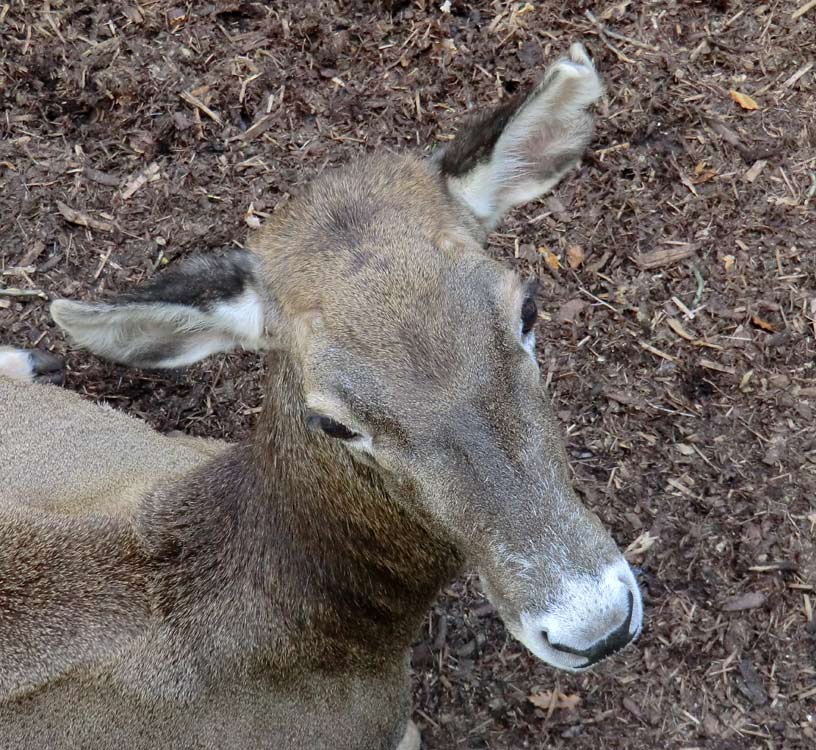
(227, 594)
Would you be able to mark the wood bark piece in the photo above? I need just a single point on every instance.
(150, 173)
(665, 256)
(77, 217)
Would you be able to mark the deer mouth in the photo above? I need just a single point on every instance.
(590, 619)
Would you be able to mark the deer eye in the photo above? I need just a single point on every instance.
(529, 314)
(332, 428)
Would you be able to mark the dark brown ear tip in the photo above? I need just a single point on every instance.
(47, 367)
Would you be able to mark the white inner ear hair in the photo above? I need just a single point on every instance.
(552, 127)
(244, 316)
(16, 364)
(163, 334)
(230, 324)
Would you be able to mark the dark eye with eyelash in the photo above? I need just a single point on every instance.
(332, 428)
(529, 314)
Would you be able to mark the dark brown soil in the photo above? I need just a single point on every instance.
(680, 351)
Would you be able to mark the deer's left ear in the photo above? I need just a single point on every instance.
(204, 305)
(520, 150)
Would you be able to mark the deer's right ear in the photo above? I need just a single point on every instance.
(520, 150)
(202, 306)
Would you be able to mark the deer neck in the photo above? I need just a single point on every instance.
(374, 561)
(293, 549)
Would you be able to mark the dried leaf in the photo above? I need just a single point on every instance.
(728, 262)
(632, 708)
(550, 258)
(549, 700)
(689, 184)
(763, 324)
(575, 256)
(745, 101)
(176, 17)
(450, 46)
(641, 545)
(749, 600)
(708, 174)
(684, 449)
(570, 310)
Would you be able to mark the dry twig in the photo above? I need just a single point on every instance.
(199, 105)
(14, 292)
(620, 37)
(799, 12)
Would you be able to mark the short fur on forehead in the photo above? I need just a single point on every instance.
(354, 226)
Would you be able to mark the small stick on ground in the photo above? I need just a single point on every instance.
(658, 353)
(14, 292)
(728, 135)
(700, 286)
(797, 75)
(105, 259)
(803, 9)
(19, 270)
(600, 301)
(620, 37)
(198, 104)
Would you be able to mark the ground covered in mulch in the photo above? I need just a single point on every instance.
(679, 296)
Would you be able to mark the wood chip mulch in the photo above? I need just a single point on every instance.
(678, 332)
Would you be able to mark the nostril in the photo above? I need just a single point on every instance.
(607, 646)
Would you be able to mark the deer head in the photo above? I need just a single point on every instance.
(417, 355)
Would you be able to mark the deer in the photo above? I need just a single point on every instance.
(164, 592)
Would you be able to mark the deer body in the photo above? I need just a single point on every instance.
(107, 471)
(162, 646)
(165, 593)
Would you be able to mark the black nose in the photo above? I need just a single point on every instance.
(607, 646)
